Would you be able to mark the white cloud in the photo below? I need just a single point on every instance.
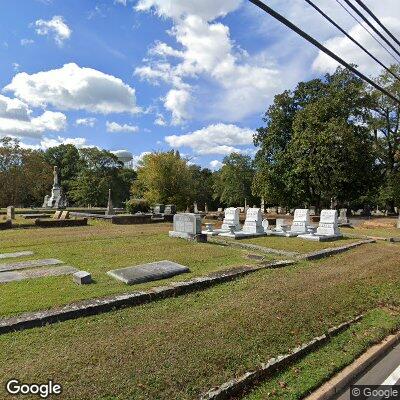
(75, 88)
(55, 26)
(206, 9)
(86, 122)
(122, 2)
(16, 119)
(115, 127)
(352, 54)
(16, 66)
(214, 139)
(215, 165)
(177, 102)
(241, 85)
(160, 120)
(46, 142)
(26, 42)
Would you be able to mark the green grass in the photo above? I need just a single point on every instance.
(180, 347)
(99, 248)
(378, 232)
(296, 244)
(307, 374)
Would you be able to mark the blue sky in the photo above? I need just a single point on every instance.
(147, 75)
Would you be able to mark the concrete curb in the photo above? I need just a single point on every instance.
(101, 305)
(340, 381)
(316, 255)
(236, 387)
(249, 246)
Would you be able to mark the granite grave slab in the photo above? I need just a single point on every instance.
(16, 255)
(148, 272)
(13, 276)
(29, 264)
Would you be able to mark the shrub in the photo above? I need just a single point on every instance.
(133, 206)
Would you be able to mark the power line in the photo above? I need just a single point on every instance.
(368, 10)
(321, 47)
(351, 38)
(370, 24)
(367, 30)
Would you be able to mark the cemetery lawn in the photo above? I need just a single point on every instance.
(377, 232)
(307, 374)
(296, 244)
(97, 249)
(180, 347)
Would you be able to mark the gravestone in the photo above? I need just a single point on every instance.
(253, 223)
(343, 220)
(46, 201)
(64, 215)
(265, 225)
(159, 208)
(10, 212)
(170, 209)
(195, 208)
(148, 272)
(328, 228)
(206, 208)
(57, 198)
(16, 255)
(29, 264)
(6, 277)
(301, 222)
(57, 215)
(110, 207)
(82, 278)
(281, 228)
(231, 218)
(398, 222)
(188, 226)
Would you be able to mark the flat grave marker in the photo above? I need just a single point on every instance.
(14, 276)
(16, 255)
(29, 264)
(148, 272)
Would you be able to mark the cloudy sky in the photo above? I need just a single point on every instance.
(146, 75)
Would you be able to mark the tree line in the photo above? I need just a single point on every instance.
(330, 141)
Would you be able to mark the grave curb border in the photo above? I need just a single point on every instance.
(236, 386)
(101, 305)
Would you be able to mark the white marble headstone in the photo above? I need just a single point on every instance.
(253, 222)
(301, 221)
(231, 218)
(328, 223)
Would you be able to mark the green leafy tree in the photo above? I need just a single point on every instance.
(385, 125)
(232, 183)
(316, 146)
(164, 177)
(66, 158)
(99, 171)
(202, 186)
(25, 175)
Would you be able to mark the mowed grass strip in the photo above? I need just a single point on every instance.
(296, 244)
(180, 347)
(376, 232)
(98, 249)
(308, 373)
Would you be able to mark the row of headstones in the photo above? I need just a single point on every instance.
(169, 209)
(254, 225)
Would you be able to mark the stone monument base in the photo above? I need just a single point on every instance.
(202, 238)
(320, 238)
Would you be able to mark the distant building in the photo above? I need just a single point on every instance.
(126, 157)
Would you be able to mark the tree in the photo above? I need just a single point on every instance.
(99, 171)
(202, 186)
(232, 183)
(385, 124)
(316, 146)
(164, 177)
(66, 158)
(25, 175)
